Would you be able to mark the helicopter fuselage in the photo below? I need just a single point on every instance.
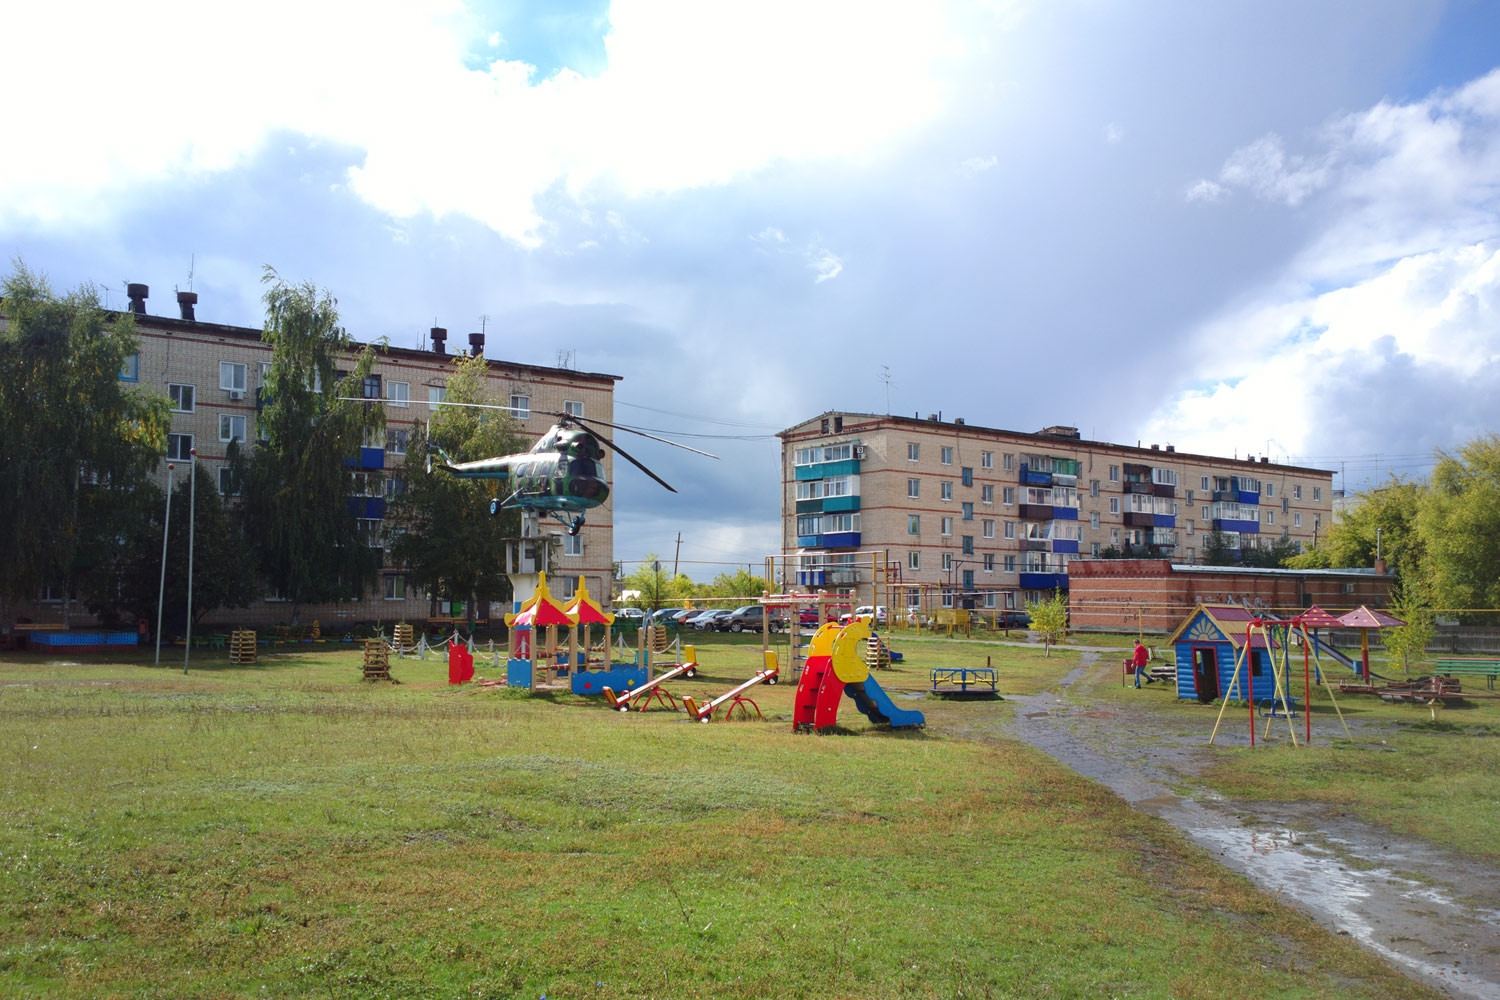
(563, 471)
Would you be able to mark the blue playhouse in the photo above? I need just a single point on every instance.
(1207, 644)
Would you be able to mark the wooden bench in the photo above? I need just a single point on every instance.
(1469, 666)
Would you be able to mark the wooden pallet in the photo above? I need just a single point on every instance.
(242, 649)
(875, 653)
(377, 660)
(404, 637)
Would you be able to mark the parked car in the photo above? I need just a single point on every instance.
(809, 616)
(681, 615)
(876, 612)
(707, 621)
(629, 615)
(1012, 619)
(751, 617)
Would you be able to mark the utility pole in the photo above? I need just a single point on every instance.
(676, 554)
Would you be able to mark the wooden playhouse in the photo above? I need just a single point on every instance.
(1207, 644)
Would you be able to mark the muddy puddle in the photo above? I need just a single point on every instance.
(1432, 914)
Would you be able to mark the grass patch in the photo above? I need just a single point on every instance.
(288, 830)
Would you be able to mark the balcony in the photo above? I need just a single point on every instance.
(1044, 581)
(368, 458)
(1035, 544)
(1065, 545)
(812, 578)
(1226, 496)
(1030, 478)
(1036, 511)
(840, 503)
(810, 506)
(825, 470)
(1137, 487)
(840, 540)
(1139, 519)
(1243, 527)
(1164, 520)
(1065, 513)
(1163, 490)
(809, 541)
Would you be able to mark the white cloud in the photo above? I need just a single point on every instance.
(1206, 190)
(694, 94)
(823, 262)
(1114, 134)
(977, 165)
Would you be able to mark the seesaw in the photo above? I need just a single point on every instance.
(735, 696)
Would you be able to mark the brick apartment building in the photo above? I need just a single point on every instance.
(932, 513)
(212, 374)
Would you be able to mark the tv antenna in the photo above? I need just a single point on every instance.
(885, 376)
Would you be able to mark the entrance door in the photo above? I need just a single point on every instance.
(1205, 673)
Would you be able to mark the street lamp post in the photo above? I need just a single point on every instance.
(187, 650)
(161, 594)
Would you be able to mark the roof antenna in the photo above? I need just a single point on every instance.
(885, 376)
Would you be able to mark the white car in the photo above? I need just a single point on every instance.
(629, 614)
(865, 611)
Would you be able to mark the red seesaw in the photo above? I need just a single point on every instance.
(650, 691)
(735, 696)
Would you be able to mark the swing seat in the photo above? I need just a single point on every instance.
(1272, 709)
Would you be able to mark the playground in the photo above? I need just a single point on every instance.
(290, 826)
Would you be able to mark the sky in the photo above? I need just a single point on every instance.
(1268, 227)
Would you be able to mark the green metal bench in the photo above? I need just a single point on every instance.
(1469, 667)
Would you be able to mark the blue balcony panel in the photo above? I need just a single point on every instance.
(354, 507)
(1164, 521)
(1044, 581)
(372, 458)
(812, 578)
(841, 503)
(841, 539)
(1243, 527)
(823, 470)
(374, 507)
(1065, 513)
(809, 541)
(1029, 478)
(1248, 497)
(1065, 545)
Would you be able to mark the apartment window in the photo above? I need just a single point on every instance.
(947, 525)
(1008, 495)
(945, 490)
(1296, 493)
(1317, 492)
(398, 393)
(1010, 564)
(1094, 549)
(262, 430)
(1009, 462)
(1203, 484)
(395, 588)
(987, 528)
(1286, 505)
(1114, 473)
(225, 477)
(1204, 513)
(1190, 497)
(1114, 536)
(947, 562)
(946, 455)
(182, 397)
(968, 545)
(1093, 487)
(1190, 527)
(231, 428)
(369, 387)
(130, 369)
(1270, 517)
(1270, 491)
(435, 395)
(395, 441)
(394, 487)
(368, 529)
(913, 524)
(1010, 529)
(573, 407)
(231, 376)
(914, 488)
(914, 559)
(1114, 505)
(572, 545)
(989, 563)
(967, 477)
(1297, 519)
(1094, 520)
(913, 451)
(520, 406)
(986, 459)
(1317, 522)
(968, 511)
(986, 494)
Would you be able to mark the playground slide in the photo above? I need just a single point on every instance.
(870, 698)
(1334, 655)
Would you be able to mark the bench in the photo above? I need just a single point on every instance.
(1469, 667)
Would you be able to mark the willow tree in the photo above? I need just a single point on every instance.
(299, 521)
(1459, 522)
(445, 539)
(75, 429)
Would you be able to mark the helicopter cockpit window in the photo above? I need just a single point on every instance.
(583, 467)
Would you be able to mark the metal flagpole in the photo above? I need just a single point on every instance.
(161, 594)
(192, 508)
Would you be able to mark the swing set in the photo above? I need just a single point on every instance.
(1276, 635)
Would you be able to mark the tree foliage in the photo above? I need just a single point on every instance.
(1459, 524)
(658, 587)
(1049, 619)
(1408, 643)
(71, 429)
(446, 540)
(296, 495)
(1384, 518)
(1217, 551)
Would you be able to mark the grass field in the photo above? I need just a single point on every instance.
(288, 830)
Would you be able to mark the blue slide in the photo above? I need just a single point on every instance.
(872, 700)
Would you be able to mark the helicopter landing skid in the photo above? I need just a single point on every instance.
(573, 524)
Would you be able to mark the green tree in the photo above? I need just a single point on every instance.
(73, 425)
(658, 587)
(1384, 518)
(125, 583)
(1279, 553)
(445, 539)
(305, 537)
(1218, 552)
(1408, 643)
(741, 583)
(1049, 619)
(1459, 524)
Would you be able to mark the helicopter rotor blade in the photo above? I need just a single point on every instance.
(580, 421)
(632, 459)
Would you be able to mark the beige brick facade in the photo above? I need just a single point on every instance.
(942, 502)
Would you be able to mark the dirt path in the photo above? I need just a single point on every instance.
(1433, 914)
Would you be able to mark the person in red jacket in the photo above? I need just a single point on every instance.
(1140, 658)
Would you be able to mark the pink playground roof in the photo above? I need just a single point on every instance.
(1316, 617)
(1366, 617)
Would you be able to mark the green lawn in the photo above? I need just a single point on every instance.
(288, 830)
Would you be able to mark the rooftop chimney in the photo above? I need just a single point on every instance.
(476, 344)
(1171, 447)
(185, 302)
(439, 338)
(138, 294)
(1265, 460)
(1156, 447)
(958, 420)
